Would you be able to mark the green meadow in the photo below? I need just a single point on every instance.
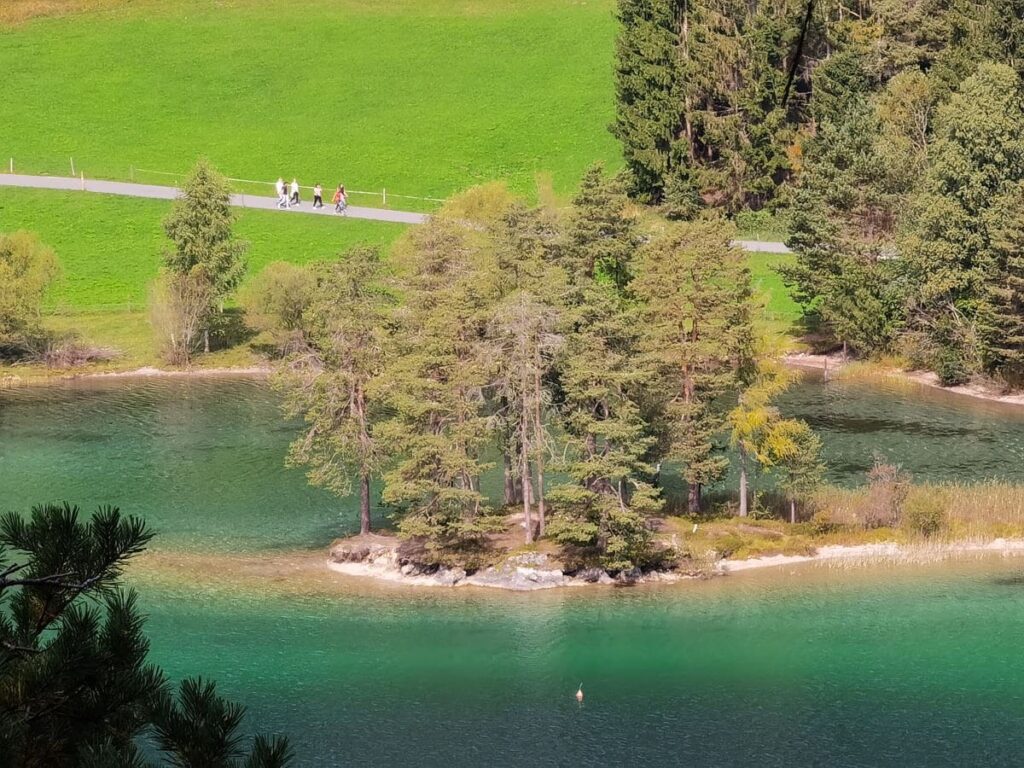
(109, 247)
(421, 97)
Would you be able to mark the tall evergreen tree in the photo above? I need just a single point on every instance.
(695, 289)
(436, 384)
(976, 160)
(602, 512)
(200, 228)
(646, 85)
(333, 381)
(524, 335)
(1002, 312)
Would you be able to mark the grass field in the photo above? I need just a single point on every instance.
(423, 97)
(109, 247)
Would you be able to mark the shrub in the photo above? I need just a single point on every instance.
(924, 514)
(179, 310)
(951, 368)
(888, 486)
(27, 269)
(275, 299)
(823, 523)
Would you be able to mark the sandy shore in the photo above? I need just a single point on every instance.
(12, 380)
(881, 552)
(831, 555)
(835, 363)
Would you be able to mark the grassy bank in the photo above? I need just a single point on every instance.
(932, 514)
(109, 247)
(423, 98)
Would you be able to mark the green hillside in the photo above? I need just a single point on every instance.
(422, 97)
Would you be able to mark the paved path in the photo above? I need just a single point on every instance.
(169, 193)
(265, 203)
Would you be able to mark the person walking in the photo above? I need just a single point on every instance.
(340, 200)
(282, 199)
(295, 192)
(318, 196)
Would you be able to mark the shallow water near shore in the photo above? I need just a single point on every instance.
(808, 665)
(805, 666)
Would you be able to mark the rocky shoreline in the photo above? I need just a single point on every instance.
(382, 558)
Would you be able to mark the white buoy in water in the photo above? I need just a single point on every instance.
(579, 694)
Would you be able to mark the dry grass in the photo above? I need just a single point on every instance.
(969, 512)
(15, 12)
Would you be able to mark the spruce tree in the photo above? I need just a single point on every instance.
(976, 160)
(646, 87)
(200, 229)
(1002, 311)
(333, 380)
(695, 290)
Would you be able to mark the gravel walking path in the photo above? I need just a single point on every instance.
(266, 203)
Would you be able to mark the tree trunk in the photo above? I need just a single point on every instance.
(538, 440)
(743, 483)
(524, 457)
(513, 484)
(206, 341)
(792, 511)
(364, 504)
(693, 499)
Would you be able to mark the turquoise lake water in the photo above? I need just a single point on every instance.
(795, 667)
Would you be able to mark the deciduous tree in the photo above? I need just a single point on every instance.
(27, 269)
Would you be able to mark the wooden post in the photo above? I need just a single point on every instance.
(73, 167)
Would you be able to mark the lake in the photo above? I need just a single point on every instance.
(810, 666)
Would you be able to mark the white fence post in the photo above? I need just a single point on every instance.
(384, 197)
(73, 167)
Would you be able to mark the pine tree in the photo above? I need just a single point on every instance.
(76, 688)
(436, 385)
(601, 513)
(333, 381)
(601, 235)
(695, 290)
(524, 336)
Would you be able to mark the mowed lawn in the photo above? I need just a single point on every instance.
(109, 247)
(422, 97)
